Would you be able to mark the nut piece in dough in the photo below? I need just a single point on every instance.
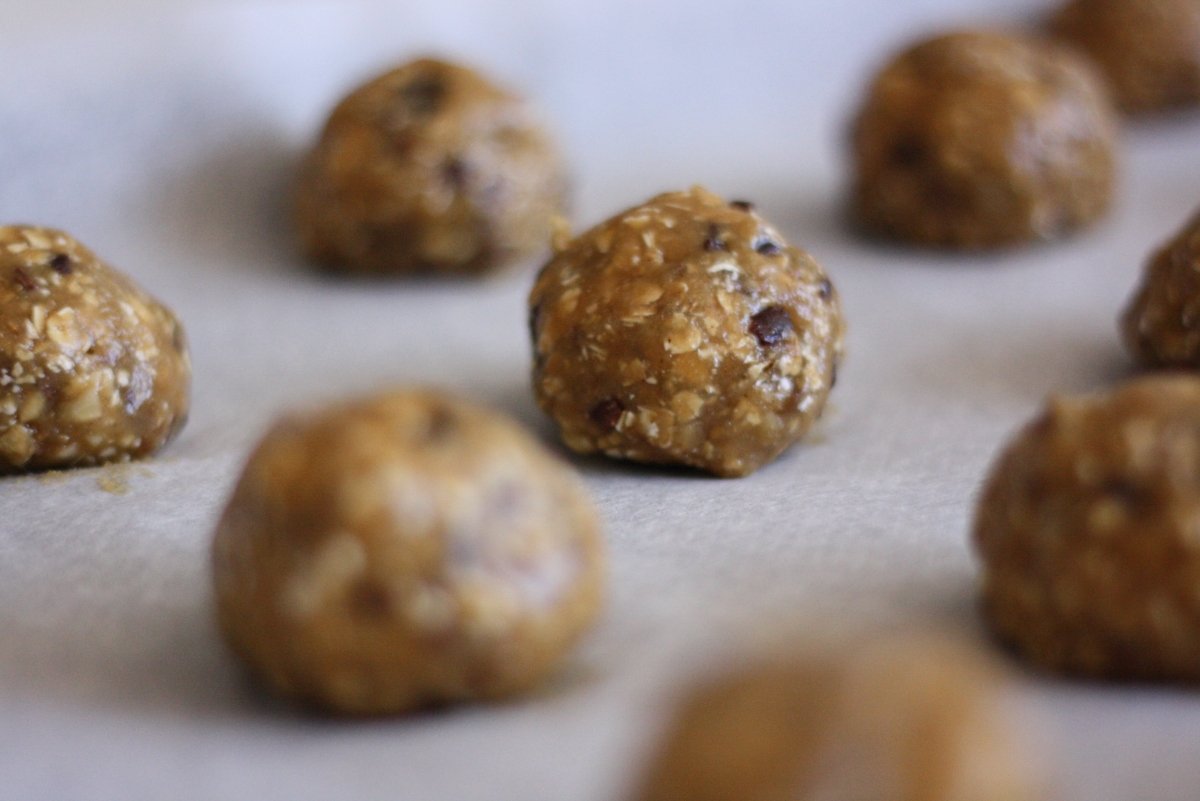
(1149, 50)
(684, 331)
(977, 140)
(1087, 530)
(403, 551)
(913, 718)
(1161, 325)
(428, 168)
(92, 369)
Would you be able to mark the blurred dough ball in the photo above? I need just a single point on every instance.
(429, 168)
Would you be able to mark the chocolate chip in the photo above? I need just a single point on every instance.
(771, 325)
(24, 280)
(535, 314)
(767, 247)
(742, 205)
(61, 264)
(424, 95)
(607, 413)
(454, 172)
(833, 374)
(713, 241)
(825, 289)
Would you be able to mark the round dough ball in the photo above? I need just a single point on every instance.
(92, 369)
(1149, 50)
(429, 168)
(919, 718)
(976, 140)
(1087, 532)
(1161, 325)
(684, 331)
(402, 551)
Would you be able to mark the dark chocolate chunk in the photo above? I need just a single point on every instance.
(771, 325)
(607, 413)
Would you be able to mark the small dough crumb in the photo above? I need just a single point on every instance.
(403, 551)
(1088, 533)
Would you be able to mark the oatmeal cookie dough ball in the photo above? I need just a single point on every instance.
(684, 331)
(978, 140)
(428, 168)
(1149, 50)
(403, 551)
(92, 369)
(1087, 532)
(1161, 325)
(922, 718)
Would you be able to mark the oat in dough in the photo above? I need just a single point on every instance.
(684, 331)
(1161, 325)
(976, 140)
(1149, 50)
(915, 717)
(402, 551)
(428, 168)
(92, 369)
(1087, 533)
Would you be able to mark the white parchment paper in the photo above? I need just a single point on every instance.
(164, 136)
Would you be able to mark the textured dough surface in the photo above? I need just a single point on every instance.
(917, 718)
(428, 168)
(403, 551)
(92, 369)
(975, 140)
(684, 331)
(1161, 325)
(1087, 530)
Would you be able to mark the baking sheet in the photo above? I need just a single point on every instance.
(164, 136)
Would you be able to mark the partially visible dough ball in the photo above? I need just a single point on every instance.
(684, 331)
(1161, 325)
(92, 369)
(977, 140)
(429, 168)
(1149, 50)
(1087, 530)
(903, 718)
(402, 551)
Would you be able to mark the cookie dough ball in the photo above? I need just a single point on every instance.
(684, 331)
(92, 369)
(1087, 531)
(1161, 325)
(899, 719)
(1149, 50)
(429, 168)
(977, 140)
(402, 551)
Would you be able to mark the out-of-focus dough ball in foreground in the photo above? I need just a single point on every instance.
(684, 331)
(429, 168)
(917, 718)
(402, 551)
(1087, 530)
(92, 369)
(977, 140)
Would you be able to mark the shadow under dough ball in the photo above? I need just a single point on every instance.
(898, 718)
(977, 140)
(1086, 528)
(403, 551)
(1148, 50)
(684, 331)
(1161, 325)
(92, 369)
(428, 168)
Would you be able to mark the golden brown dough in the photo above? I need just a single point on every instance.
(401, 551)
(903, 718)
(976, 140)
(1149, 50)
(1087, 529)
(92, 369)
(684, 331)
(428, 168)
(1161, 325)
